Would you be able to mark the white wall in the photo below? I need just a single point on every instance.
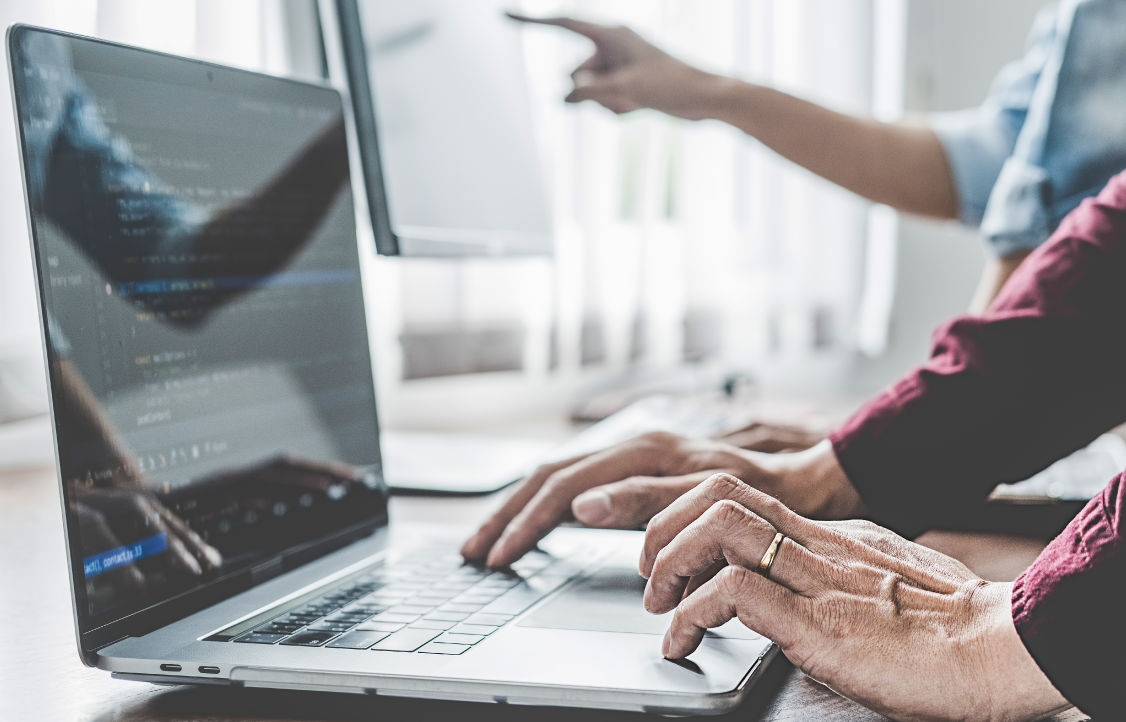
(954, 50)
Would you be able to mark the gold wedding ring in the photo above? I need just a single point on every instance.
(768, 558)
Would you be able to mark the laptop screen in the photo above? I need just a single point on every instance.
(211, 383)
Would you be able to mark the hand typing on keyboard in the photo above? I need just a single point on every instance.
(625, 486)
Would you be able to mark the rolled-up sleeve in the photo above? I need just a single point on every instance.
(979, 140)
(1067, 607)
(1004, 395)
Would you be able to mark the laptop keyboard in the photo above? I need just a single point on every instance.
(423, 603)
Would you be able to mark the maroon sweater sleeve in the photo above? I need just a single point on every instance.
(1068, 607)
(1004, 395)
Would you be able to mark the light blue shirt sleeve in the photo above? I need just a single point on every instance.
(1051, 133)
(977, 141)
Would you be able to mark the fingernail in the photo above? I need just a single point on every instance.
(592, 507)
(666, 643)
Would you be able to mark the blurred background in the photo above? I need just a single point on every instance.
(685, 253)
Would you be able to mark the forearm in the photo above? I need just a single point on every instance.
(1067, 606)
(902, 166)
(1006, 394)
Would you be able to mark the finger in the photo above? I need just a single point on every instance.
(760, 604)
(478, 546)
(594, 31)
(732, 533)
(207, 555)
(606, 89)
(178, 555)
(699, 580)
(631, 503)
(591, 65)
(772, 439)
(552, 502)
(682, 512)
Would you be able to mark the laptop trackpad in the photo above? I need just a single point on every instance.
(610, 601)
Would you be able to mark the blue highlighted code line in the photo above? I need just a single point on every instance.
(123, 555)
(234, 283)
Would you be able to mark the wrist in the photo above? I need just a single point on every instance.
(1016, 687)
(716, 97)
(812, 482)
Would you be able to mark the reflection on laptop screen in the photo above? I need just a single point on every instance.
(197, 258)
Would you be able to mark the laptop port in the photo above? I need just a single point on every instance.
(170, 668)
(209, 670)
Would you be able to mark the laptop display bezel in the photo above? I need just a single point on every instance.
(143, 621)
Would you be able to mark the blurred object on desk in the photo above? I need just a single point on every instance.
(713, 416)
(1077, 477)
(426, 461)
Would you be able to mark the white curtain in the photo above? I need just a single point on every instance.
(696, 243)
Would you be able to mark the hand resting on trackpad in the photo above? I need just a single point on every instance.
(610, 601)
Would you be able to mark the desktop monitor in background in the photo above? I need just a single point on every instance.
(444, 126)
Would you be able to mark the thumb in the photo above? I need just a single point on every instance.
(630, 503)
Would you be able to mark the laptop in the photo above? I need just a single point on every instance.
(214, 418)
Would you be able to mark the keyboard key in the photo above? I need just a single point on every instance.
(357, 640)
(479, 629)
(396, 618)
(520, 598)
(492, 620)
(465, 608)
(470, 639)
(474, 598)
(379, 627)
(432, 624)
(448, 616)
(257, 638)
(279, 627)
(469, 573)
(331, 626)
(433, 598)
(438, 648)
(309, 639)
(416, 609)
(407, 640)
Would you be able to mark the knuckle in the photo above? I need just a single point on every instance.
(721, 486)
(658, 439)
(633, 485)
(727, 515)
(733, 581)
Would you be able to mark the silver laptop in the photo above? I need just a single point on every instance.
(215, 419)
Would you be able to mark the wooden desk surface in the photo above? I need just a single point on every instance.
(42, 679)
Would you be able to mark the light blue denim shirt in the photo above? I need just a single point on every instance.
(1052, 131)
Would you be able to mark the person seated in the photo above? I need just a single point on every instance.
(1005, 394)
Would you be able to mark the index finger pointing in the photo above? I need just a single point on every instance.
(591, 30)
